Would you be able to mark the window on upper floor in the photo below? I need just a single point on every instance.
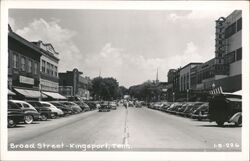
(239, 24)
(15, 60)
(56, 71)
(29, 66)
(23, 63)
(43, 66)
(230, 30)
(239, 54)
(35, 67)
(47, 68)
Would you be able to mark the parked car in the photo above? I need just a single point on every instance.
(92, 105)
(83, 105)
(113, 105)
(45, 112)
(166, 106)
(225, 108)
(192, 107)
(172, 109)
(30, 113)
(104, 106)
(75, 108)
(201, 112)
(15, 114)
(56, 111)
(66, 110)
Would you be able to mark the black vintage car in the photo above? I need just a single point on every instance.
(15, 114)
(226, 108)
(45, 112)
(105, 106)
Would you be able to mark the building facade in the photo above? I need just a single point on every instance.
(185, 76)
(49, 80)
(227, 63)
(72, 84)
(23, 67)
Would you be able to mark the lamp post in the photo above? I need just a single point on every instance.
(173, 96)
(187, 94)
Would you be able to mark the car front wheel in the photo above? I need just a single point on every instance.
(11, 123)
(239, 121)
(28, 119)
(44, 117)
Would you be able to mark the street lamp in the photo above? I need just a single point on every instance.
(187, 94)
(173, 96)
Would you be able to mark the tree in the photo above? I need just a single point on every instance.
(105, 88)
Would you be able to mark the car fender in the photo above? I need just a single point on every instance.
(235, 117)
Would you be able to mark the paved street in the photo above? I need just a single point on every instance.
(135, 129)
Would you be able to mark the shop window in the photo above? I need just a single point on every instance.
(239, 54)
(23, 63)
(29, 66)
(239, 24)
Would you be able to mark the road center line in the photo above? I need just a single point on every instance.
(126, 133)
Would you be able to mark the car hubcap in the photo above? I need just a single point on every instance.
(43, 117)
(28, 119)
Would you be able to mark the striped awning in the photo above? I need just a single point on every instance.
(216, 91)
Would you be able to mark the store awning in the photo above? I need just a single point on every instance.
(238, 92)
(30, 93)
(234, 99)
(11, 93)
(54, 95)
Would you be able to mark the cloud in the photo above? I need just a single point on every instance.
(130, 69)
(59, 37)
(12, 23)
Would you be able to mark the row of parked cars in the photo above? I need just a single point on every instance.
(221, 108)
(195, 110)
(30, 110)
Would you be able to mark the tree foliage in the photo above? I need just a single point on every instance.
(147, 91)
(107, 88)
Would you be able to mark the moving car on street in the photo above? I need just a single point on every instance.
(15, 114)
(226, 108)
(104, 106)
(30, 113)
(113, 105)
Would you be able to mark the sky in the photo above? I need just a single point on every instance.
(128, 45)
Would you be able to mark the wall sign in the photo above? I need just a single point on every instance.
(26, 80)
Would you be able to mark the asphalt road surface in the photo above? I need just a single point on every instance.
(132, 129)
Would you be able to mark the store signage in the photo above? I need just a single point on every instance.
(26, 80)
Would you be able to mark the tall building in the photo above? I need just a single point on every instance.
(228, 53)
(23, 67)
(49, 80)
